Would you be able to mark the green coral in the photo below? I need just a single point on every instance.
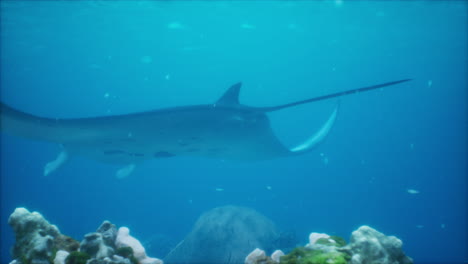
(340, 242)
(331, 241)
(66, 243)
(264, 260)
(53, 255)
(127, 252)
(77, 257)
(324, 241)
(304, 255)
(24, 260)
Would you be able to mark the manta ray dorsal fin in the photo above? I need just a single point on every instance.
(231, 96)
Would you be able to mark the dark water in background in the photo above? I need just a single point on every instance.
(68, 59)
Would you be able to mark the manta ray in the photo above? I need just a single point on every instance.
(225, 129)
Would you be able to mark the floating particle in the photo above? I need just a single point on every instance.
(429, 83)
(411, 146)
(95, 66)
(442, 226)
(419, 226)
(325, 160)
(167, 77)
(338, 3)
(247, 26)
(412, 191)
(175, 25)
(268, 187)
(292, 26)
(190, 201)
(130, 134)
(106, 95)
(380, 14)
(219, 189)
(146, 59)
(191, 48)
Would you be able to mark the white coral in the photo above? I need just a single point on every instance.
(124, 239)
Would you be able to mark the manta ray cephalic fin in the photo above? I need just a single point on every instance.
(56, 163)
(125, 171)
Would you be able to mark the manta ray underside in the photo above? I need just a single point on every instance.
(225, 129)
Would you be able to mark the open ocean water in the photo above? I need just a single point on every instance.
(396, 158)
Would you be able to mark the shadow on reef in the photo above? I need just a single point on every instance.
(223, 235)
(226, 235)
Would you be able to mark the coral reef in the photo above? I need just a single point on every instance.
(223, 235)
(315, 255)
(93, 245)
(34, 237)
(124, 239)
(367, 245)
(61, 256)
(275, 256)
(38, 242)
(313, 237)
(259, 256)
(127, 252)
(108, 232)
(76, 257)
(255, 256)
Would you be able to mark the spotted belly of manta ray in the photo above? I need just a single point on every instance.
(225, 130)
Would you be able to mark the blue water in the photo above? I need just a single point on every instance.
(65, 59)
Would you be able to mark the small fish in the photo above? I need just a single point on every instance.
(412, 191)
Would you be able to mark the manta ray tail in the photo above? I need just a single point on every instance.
(324, 97)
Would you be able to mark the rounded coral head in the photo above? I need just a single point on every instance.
(124, 231)
(313, 237)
